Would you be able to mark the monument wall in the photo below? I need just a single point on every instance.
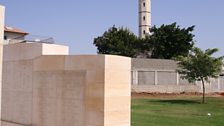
(2, 19)
(62, 90)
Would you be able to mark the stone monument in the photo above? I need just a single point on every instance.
(2, 19)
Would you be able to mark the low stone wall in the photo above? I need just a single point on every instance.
(165, 89)
(157, 75)
(59, 90)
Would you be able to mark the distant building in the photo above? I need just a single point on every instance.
(222, 70)
(13, 35)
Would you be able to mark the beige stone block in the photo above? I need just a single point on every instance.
(26, 75)
(3, 123)
(7, 100)
(76, 93)
(29, 50)
(45, 119)
(0, 73)
(114, 118)
(118, 80)
(16, 77)
(7, 78)
(2, 23)
(71, 79)
(25, 51)
(71, 90)
(60, 79)
(84, 62)
(73, 106)
(123, 103)
(44, 104)
(22, 108)
(95, 76)
(94, 104)
(117, 62)
(94, 118)
(95, 90)
(22, 51)
(9, 52)
(49, 63)
(44, 111)
(45, 92)
(121, 124)
(18, 74)
(45, 79)
(53, 49)
(70, 112)
(114, 89)
(118, 76)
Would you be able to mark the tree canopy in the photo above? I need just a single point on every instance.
(166, 42)
(117, 41)
(200, 66)
(169, 41)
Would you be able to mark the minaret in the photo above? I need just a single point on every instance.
(144, 17)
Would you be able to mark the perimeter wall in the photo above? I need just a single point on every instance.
(156, 75)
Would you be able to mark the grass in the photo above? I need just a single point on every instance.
(180, 111)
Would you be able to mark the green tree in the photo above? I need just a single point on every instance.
(169, 41)
(200, 66)
(117, 41)
(144, 47)
(166, 42)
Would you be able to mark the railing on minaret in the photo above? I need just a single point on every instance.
(144, 17)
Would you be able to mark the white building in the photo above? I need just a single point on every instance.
(13, 35)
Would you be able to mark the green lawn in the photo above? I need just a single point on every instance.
(181, 111)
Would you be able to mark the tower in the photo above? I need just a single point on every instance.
(144, 17)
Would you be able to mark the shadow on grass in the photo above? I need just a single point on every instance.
(181, 102)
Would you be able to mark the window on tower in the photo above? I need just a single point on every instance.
(144, 18)
(144, 32)
(144, 4)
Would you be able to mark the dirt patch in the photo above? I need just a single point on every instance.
(183, 94)
(222, 94)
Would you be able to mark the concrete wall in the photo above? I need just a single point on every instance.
(153, 64)
(2, 19)
(60, 90)
(156, 75)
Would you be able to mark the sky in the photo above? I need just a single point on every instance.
(76, 23)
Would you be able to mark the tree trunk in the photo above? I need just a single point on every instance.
(203, 83)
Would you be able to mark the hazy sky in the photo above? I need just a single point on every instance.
(76, 22)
